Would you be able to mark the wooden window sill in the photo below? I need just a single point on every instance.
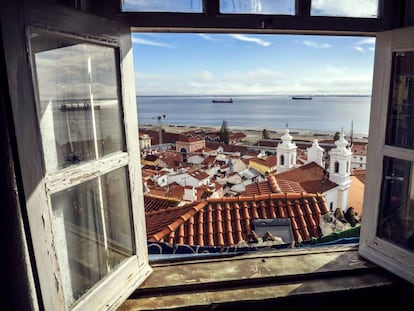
(257, 277)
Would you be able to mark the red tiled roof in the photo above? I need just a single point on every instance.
(189, 139)
(199, 175)
(166, 136)
(209, 159)
(290, 186)
(237, 135)
(269, 161)
(164, 222)
(310, 176)
(175, 191)
(267, 143)
(173, 160)
(359, 148)
(154, 203)
(227, 221)
(360, 174)
(261, 187)
(271, 185)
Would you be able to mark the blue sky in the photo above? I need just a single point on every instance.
(235, 64)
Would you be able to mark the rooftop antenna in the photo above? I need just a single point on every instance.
(352, 132)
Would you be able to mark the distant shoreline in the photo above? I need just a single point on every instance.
(256, 95)
(254, 133)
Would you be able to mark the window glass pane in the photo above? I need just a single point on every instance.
(396, 213)
(93, 230)
(79, 110)
(286, 7)
(184, 6)
(400, 127)
(345, 8)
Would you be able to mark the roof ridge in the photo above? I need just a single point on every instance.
(176, 208)
(257, 197)
(154, 196)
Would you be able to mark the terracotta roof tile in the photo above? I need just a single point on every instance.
(164, 222)
(310, 176)
(227, 221)
(154, 203)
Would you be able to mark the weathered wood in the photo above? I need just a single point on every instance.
(257, 277)
(380, 251)
(36, 185)
(78, 174)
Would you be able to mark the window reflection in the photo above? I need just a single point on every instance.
(396, 213)
(93, 229)
(183, 6)
(79, 109)
(400, 126)
(283, 7)
(345, 8)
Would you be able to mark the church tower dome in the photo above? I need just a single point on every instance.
(315, 153)
(286, 153)
(340, 169)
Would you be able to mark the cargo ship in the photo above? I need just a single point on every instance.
(229, 101)
(302, 97)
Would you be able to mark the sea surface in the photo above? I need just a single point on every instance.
(321, 113)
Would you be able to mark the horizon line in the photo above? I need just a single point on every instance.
(230, 95)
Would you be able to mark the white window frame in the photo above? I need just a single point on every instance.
(116, 286)
(384, 253)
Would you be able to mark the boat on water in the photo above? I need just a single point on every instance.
(230, 100)
(302, 97)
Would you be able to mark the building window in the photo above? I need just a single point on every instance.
(336, 167)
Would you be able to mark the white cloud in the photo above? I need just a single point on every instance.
(137, 40)
(359, 49)
(331, 70)
(317, 45)
(366, 41)
(204, 75)
(352, 8)
(250, 39)
(143, 76)
(205, 36)
(365, 44)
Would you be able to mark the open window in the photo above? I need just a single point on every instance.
(75, 143)
(83, 202)
(387, 237)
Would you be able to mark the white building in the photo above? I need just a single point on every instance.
(340, 170)
(286, 153)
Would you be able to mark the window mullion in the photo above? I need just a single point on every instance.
(81, 173)
(400, 153)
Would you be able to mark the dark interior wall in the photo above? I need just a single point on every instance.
(18, 270)
(14, 273)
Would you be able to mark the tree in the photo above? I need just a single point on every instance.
(336, 136)
(265, 134)
(224, 133)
